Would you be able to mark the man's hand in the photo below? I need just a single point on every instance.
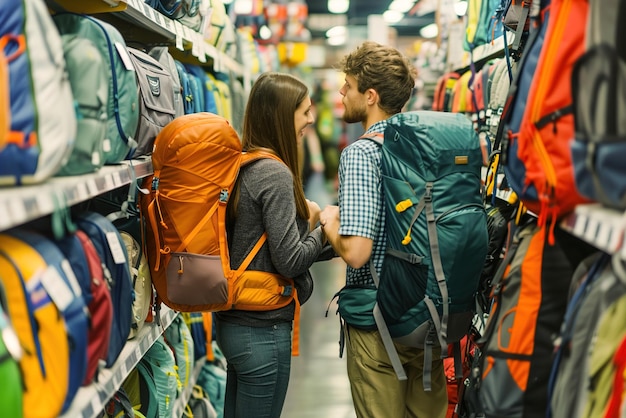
(354, 250)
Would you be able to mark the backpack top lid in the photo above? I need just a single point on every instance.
(196, 143)
(449, 134)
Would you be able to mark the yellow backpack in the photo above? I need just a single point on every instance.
(39, 326)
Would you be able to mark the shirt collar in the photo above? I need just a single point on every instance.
(378, 127)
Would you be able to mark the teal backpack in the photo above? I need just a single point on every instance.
(436, 228)
(161, 362)
(142, 392)
(123, 99)
(89, 82)
(178, 336)
(10, 354)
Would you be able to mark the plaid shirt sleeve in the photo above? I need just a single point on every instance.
(360, 190)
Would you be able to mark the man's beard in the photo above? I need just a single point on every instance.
(354, 115)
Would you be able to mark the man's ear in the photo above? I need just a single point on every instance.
(372, 97)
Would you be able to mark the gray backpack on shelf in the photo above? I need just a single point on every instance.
(156, 103)
(162, 54)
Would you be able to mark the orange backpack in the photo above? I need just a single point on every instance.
(196, 160)
(547, 126)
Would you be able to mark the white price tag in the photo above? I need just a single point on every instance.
(202, 49)
(71, 277)
(5, 219)
(591, 231)
(178, 28)
(17, 209)
(188, 33)
(117, 180)
(106, 145)
(123, 53)
(59, 291)
(92, 187)
(119, 257)
(45, 203)
(195, 50)
(604, 233)
(81, 191)
(108, 183)
(580, 225)
(160, 19)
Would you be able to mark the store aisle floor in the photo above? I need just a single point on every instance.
(319, 386)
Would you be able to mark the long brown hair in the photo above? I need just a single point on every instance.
(269, 124)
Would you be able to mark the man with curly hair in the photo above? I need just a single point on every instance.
(379, 81)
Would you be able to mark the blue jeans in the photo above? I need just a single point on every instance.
(259, 363)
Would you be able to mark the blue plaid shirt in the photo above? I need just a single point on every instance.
(361, 201)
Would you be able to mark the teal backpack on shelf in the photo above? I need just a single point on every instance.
(123, 104)
(212, 379)
(90, 88)
(178, 336)
(10, 376)
(161, 362)
(142, 392)
(436, 231)
(38, 110)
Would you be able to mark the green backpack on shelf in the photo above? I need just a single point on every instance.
(10, 375)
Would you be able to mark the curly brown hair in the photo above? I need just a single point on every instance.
(384, 69)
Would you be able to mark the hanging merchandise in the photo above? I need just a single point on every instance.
(41, 116)
(10, 355)
(112, 251)
(35, 306)
(529, 301)
(156, 100)
(599, 98)
(90, 82)
(123, 105)
(538, 128)
(163, 56)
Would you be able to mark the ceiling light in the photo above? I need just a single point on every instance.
(243, 7)
(460, 8)
(338, 6)
(429, 31)
(336, 31)
(265, 32)
(392, 16)
(401, 6)
(336, 40)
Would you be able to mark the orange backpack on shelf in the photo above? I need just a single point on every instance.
(196, 160)
(542, 146)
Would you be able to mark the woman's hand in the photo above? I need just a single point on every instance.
(314, 214)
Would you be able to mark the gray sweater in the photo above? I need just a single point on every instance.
(266, 203)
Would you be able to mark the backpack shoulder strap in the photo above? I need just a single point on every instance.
(377, 137)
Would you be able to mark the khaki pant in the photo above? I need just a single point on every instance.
(376, 390)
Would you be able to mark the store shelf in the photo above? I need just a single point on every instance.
(90, 400)
(142, 15)
(481, 53)
(599, 226)
(183, 399)
(19, 205)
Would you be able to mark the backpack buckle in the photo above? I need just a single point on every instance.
(287, 290)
